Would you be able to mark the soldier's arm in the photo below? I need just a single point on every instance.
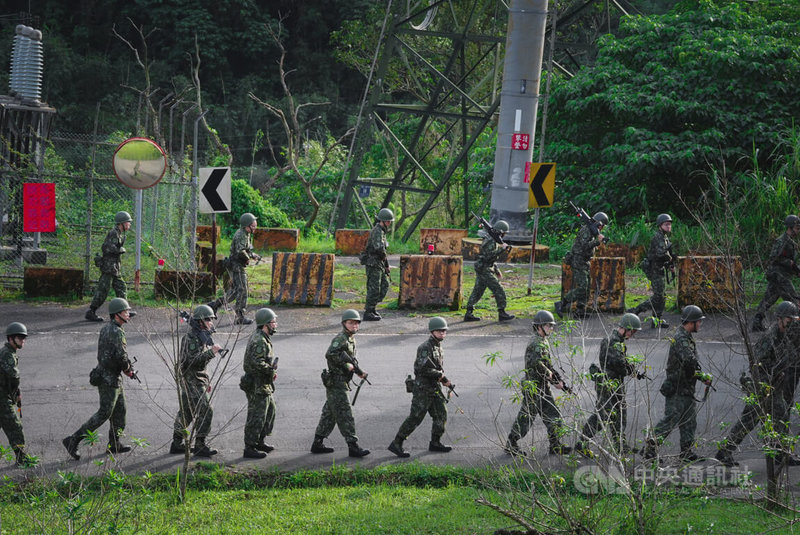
(424, 366)
(375, 243)
(111, 245)
(258, 360)
(780, 253)
(337, 356)
(193, 355)
(9, 373)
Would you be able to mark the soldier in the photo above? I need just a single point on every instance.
(258, 382)
(112, 360)
(240, 256)
(374, 258)
(658, 259)
(428, 397)
(197, 349)
(10, 394)
(609, 378)
(536, 395)
(342, 364)
(487, 275)
(683, 371)
(109, 264)
(780, 270)
(578, 259)
(772, 355)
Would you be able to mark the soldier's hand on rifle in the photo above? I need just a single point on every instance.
(18, 399)
(445, 381)
(559, 385)
(601, 237)
(216, 348)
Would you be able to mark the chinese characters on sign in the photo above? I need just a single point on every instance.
(520, 141)
(38, 207)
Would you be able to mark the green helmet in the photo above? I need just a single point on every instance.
(437, 323)
(385, 215)
(543, 317)
(691, 313)
(264, 316)
(631, 322)
(122, 217)
(351, 314)
(16, 329)
(203, 312)
(792, 220)
(501, 226)
(787, 309)
(601, 217)
(117, 305)
(663, 218)
(247, 219)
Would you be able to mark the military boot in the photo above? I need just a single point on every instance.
(201, 449)
(512, 448)
(251, 452)
(23, 459)
(437, 446)
(241, 319)
(470, 316)
(650, 449)
(263, 446)
(371, 314)
(177, 446)
(396, 447)
(354, 450)
(503, 316)
(687, 455)
(726, 458)
(657, 322)
(214, 305)
(560, 307)
(71, 444)
(91, 315)
(117, 447)
(583, 450)
(319, 447)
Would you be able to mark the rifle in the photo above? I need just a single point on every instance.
(451, 390)
(18, 395)
(643, 375)
(358, 388)
(558, 379)
(134, 374)
(496, 235)
(594, 229)
(669, 267)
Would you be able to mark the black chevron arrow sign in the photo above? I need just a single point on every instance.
(215, 189)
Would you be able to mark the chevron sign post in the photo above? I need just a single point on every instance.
(215, 190)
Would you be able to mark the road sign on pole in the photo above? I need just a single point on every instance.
(542, 178)
(215, 189)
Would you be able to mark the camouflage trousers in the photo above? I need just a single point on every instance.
(753, 414)
(112, 408)
(612, 411)
(11, 424)
(238, 290)
(337, 411)
(195, 406)
(655, 305)
(377, 286)
(579, 293)
(260, 418)
(104, 284)
(778, 285)
(537, 403)
(426, 402)
(681, 412)
(485, 278)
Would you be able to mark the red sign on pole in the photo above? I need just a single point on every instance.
(520, 141)
(38, 207)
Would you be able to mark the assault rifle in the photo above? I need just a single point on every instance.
(558, 379)
(669, 266)
(593, 225)
(133, 373)
(495, 234)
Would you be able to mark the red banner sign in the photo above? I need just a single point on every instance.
(39, 207)
(520, 141)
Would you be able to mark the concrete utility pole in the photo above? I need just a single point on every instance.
(518, 104)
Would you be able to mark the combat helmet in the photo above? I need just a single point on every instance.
(203, 312)
(501, 226)
(117, 305)
(247, 219)
(16, 329)
(601, 217)
(691, 313)
(122, 217)
(385, 215)
(351, 314)
(663, 218)
(437, 323)
(791, 221)
(543, 317)
(631, 322)
(264, 316)
(787, 309)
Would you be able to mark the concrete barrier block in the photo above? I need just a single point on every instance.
(350, 242)
(183, 285)
(445, 241)
(285, 239)
(302, 279)
(50, 282)
(606, 284)
(714, 283)
(430, 281)
(204, 233)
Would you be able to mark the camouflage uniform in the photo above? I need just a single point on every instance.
(110, 276)
(611, 404)
(240, 255)
(195, 405)
(428, 397)
(657, 256)
(257, 383)
(112, 360)
(374, 258)
(536, 395)
(779, 276)
(337, 409)
(680, 406)
(485, 276)
(579, 258)
(9, 390)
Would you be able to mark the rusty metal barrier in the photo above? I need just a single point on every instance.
(430, 281)
(714, 283)
(302, 279)
(606, 284)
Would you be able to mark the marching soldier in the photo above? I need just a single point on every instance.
(240, 255)
(536, 395)
(10, 395)
(197, 349)
(377, 266)
(487, 275)
(428, 397)
(782, 267)
(578, 259)
(683, 372)
(342, 364)
(659, 257)
(258, 382)
(773, 356)
(112, 360)
(109, 264)
(612, 409)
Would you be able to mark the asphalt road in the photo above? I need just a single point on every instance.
(61, 350)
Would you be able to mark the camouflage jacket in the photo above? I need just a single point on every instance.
(195, 353)
(781, 258)
(583, 246)
(774, 356)
(9, 374)
(258, 362)
(341, 352)
(658, 254)
(428, 366)
(490, 252)
(113, 249)
(241, 249)
(112, 354)
(682, 365)
(538, 364)
(375, 251)
(614, 358)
